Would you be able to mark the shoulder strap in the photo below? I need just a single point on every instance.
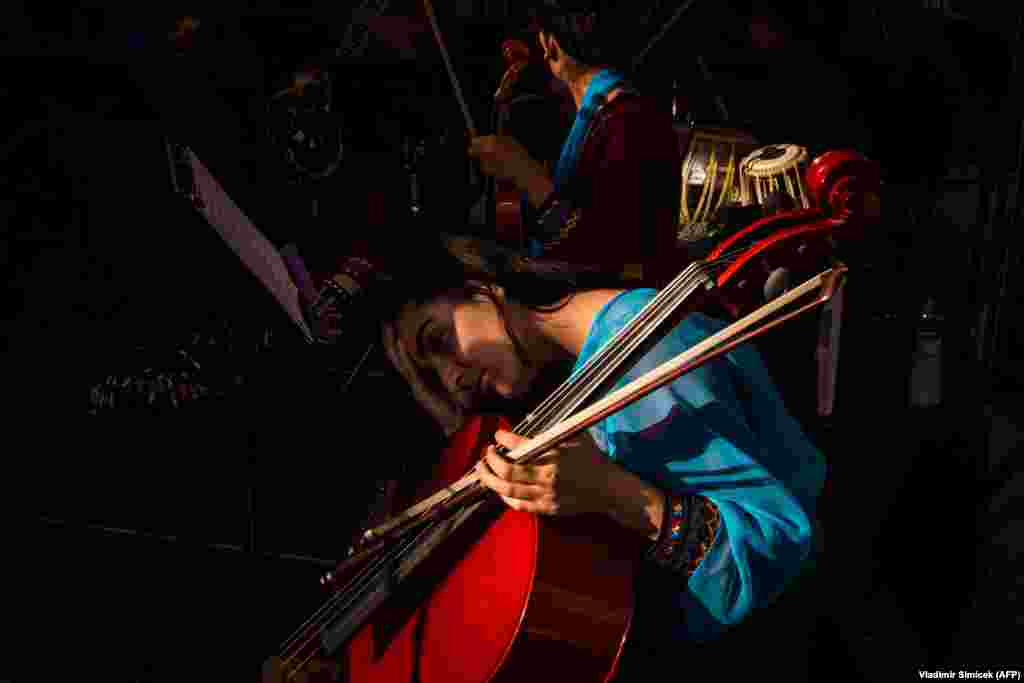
(601, 116)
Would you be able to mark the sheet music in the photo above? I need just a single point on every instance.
(258, 254)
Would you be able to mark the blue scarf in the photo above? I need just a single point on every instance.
(603, 82)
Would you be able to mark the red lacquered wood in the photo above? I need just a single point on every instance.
(741, 284)
(837, 176)
(843, 184)
(765, 227)
(512, 594)
(846, 187)
(509, 591)
(508, 218)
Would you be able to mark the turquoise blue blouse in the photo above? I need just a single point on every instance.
(720, 431)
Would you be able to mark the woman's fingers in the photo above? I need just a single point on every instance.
(508, 489)
(544, 506)
(507, 438)
(523, 474)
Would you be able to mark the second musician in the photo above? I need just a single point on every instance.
(613, 199)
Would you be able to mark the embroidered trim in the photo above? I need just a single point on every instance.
(703, 530)
(558, 216)
(555, 222)
(688, 533)
(601, 116)
(564, 229)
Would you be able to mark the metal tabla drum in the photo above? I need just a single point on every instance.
(710, 176)
(776, 168)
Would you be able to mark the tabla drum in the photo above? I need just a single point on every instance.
(776, 168)
(710, 176)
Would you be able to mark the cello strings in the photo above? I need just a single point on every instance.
(453, 494)
(663, 297)
(662, 307)
(348, 595)
(610, 361)
(360, 577)
(351, 593)
(541, 413)
(355, 588)
(319, 615)
(546, 411)
(560, 402)
(450, 495)
(461, 490)
(684, 284)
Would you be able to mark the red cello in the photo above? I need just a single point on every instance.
(460, 589)
(508, 217)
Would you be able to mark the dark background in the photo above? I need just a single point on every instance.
(186, 543)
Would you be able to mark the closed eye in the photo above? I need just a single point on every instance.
(436, 341)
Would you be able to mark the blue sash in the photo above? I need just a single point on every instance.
(603, 82)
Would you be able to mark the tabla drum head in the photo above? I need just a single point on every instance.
(773, 160)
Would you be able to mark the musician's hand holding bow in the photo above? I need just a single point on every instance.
(572, 479)
(506, 159)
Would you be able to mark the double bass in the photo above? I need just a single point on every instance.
(507, 214)
(504, 207)
(458, 588)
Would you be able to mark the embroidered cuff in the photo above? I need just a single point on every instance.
(335, 299)
(553, 226)
(688, 531)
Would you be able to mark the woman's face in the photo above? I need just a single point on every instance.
(464, 343)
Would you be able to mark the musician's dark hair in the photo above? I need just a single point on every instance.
(590, 31)
(462, 265)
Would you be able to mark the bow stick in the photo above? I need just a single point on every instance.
(448, 65)
(822, 286)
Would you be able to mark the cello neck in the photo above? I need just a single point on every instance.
(818, 289)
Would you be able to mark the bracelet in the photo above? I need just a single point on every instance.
(706, 534)
(672, 524)
(689, 529)
(704, 524)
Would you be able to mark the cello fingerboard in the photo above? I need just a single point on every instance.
(383, 580)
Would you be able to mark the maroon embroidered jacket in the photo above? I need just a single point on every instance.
(623, 208)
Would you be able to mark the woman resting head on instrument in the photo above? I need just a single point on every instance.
(613, 197)
(710, 467)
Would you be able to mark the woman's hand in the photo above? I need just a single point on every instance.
(575, 478)
(505, 159)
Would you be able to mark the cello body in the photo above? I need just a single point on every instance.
(509, 596)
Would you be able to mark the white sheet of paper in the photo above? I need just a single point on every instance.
(258, 254)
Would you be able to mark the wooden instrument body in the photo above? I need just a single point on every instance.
(509, 596)
(845, 186)
(508, 215)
